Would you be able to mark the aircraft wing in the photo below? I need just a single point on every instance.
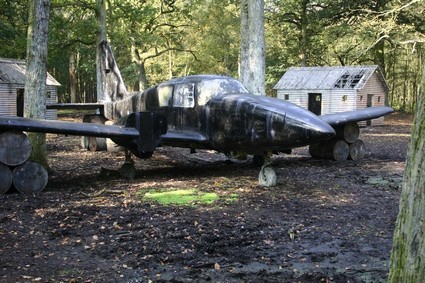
(67, 128)
(81, 106)
(368, 113)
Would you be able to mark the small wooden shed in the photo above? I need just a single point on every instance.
(325, 90)
(12, 84)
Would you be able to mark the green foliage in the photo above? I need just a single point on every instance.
(156, 40)
(215, 42)
(13, 28)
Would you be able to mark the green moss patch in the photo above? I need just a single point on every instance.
(183, 197)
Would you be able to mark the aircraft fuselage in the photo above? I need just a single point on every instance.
(217, 112)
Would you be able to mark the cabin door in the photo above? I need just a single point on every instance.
(369, 104)
(20, 102)
(315, 103)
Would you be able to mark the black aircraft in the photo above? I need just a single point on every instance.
(204, 112)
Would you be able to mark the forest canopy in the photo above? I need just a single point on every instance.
(158, 39)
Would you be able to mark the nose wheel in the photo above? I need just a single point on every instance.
(267, 176)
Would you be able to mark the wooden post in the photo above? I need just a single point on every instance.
(5, 178)
(15, 148)
(30, 177)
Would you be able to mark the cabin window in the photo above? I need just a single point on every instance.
(49, 94)
(379, 99)
(286, 96)
(184, 95)
(344, 98)
(164, 95)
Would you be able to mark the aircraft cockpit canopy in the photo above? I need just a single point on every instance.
(209, 88)
(186, 93)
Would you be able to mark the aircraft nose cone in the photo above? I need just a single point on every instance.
(320, 130)
(304, 128)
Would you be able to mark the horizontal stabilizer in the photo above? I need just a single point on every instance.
(368, 113)
(66, 128)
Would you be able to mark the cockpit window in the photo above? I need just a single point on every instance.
(209, 88)
(164, 94)
(184, 95)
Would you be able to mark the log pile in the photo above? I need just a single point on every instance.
(346, 145)
(15, 168)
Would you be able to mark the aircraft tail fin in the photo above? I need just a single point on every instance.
(112, 83)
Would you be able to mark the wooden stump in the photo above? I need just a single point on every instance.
(357, 150)
(96, 144)
(339, 151)
(94, 118)
(113, 147)
(93, 143)
(333, 149)
(15, 148)
(30, 177)
(349, 132)
(5, 178)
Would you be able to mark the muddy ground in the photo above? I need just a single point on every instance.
(324, 222)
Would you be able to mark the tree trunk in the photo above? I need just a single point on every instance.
(5, 178)
(36, 73)
(143, 78)
(101, 36)
(303, 32)
(407, 256)
(72, 78)
(30, 177)
(15, 148)
(252, 65)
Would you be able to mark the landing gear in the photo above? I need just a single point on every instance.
(127, 170)
(259, 159)
(267, 176)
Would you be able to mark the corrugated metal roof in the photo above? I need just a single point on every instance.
(340, 77)
(13, 71)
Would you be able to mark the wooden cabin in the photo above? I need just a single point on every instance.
(12, 85)
(325, 90)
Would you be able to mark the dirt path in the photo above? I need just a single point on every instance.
(324, 222)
